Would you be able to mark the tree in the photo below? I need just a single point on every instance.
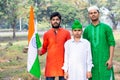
(14, 9)
(3, 14)
(68, 11)
(116, 9)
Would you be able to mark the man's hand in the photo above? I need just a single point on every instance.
(89, 75)
(39, 52)
(66, 75)
(109, 64)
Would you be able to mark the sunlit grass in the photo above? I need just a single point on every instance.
(14, 61)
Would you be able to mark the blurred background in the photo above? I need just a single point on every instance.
(14, 16)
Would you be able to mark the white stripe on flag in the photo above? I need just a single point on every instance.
(32, 50)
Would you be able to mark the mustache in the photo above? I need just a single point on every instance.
(93, 16)
(56, 23)
(56, 26)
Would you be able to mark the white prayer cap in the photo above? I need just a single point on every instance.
(93, 8)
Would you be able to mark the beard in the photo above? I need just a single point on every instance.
(95, 19)
(56, 25)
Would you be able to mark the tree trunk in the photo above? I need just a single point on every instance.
(14, 27)
(14, 36)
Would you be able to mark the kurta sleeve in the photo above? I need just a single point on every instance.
(110, 37)
(85, 36)
(68, 36)
(66, 57)
(89, 58)
(45, 44)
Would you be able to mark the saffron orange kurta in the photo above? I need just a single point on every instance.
(53, 44)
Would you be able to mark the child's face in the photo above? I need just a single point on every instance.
(77, 33)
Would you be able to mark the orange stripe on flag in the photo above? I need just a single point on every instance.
(31, 25)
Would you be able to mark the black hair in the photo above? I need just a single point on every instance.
(98, 11)
(55, 14)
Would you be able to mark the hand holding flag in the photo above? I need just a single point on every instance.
(33, 64)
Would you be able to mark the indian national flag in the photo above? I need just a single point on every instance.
(33, 64)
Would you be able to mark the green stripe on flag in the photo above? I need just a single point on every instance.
(38, 42)
(35, 70)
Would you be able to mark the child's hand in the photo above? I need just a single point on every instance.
(66, 75)
(89, 75)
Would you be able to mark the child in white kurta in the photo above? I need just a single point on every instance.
(77, 60)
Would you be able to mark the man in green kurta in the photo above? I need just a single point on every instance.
(102, 41)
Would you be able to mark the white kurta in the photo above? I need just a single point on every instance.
(77, 59)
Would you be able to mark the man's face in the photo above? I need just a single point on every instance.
(55, 22)
(94, 15)
(77, 33)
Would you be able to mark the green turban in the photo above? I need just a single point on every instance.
(76, 25)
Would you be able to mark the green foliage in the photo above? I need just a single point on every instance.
(116, 9)
(43, 25)
(67, 11)
(12, 10)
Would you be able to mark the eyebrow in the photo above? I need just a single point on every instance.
(94, 11)
(77, 30)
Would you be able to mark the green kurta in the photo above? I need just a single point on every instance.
(101, 38)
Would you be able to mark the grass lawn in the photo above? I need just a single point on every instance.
(13, 62)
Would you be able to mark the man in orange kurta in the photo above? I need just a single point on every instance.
(53, 44)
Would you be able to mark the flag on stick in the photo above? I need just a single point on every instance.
(33, 64)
